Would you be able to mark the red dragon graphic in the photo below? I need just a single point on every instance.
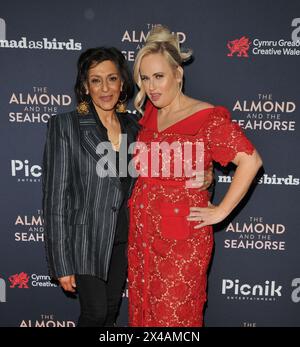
(239, 46)
(20, 280)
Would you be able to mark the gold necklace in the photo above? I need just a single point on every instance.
(115, 144)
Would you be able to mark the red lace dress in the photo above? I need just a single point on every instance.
(168, 259)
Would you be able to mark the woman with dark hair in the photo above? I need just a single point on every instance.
(85, 211)
(86, 186)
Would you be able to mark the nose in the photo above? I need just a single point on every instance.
(151, 84)
(104, 86)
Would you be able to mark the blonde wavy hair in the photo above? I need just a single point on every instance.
(160, 40)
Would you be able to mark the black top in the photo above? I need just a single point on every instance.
(122, 222)
(121, 234)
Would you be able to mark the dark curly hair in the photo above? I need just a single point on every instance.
(94, 56)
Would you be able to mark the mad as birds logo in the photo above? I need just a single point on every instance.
(44, 43)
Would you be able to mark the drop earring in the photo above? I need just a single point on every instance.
(83, 106)
(121, 105)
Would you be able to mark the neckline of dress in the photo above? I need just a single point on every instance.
(181, 120)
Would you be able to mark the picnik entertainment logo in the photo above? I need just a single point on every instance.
(237, 290)
(24, 171)
(44, 43)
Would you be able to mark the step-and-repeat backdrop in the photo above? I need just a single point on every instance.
(246, 57)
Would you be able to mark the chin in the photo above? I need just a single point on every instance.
(107, 107)
(157, 104)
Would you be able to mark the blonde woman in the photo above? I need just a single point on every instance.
(171, 236)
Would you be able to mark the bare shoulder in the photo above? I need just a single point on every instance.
(201, 105)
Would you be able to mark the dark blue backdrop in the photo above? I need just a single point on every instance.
(255, 276)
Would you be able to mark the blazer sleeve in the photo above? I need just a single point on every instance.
(56, 182)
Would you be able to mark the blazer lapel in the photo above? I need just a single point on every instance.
(91, 135)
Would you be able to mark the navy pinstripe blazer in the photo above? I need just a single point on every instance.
(80, 208)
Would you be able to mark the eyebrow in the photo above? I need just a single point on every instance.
(156, 73)
(111, 74)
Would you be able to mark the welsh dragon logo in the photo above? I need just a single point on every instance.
(239, 47)
(20, 280)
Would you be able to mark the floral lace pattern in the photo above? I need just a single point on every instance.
(168, 258)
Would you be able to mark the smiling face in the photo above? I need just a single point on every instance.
(159, 79)
(104, 85)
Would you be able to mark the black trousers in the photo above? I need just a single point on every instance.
(100, 300)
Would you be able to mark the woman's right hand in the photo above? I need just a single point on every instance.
(68, 283)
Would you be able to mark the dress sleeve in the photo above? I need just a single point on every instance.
(225, 138)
